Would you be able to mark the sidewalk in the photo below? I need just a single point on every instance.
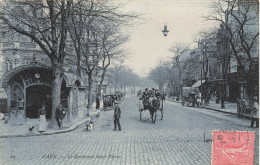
(16, 129)
(21, 129)
(230, 108)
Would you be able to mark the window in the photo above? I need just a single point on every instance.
(16, 61)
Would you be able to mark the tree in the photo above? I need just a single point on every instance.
(90, 32)
(179, 61)
(45, 23)
(116, 74)
(240, 19)
(224, 57)
(111, 42)
(159, 75)
(171, 77)
(207, 44)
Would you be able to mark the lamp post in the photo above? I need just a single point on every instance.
(165, 31)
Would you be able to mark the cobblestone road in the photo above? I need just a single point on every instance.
(177, 139)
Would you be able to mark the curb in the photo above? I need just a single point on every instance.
(217, 110)
(71, 128)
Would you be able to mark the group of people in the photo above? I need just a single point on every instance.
(59, 116)
(152, 93)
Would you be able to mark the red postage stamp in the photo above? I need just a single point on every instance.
(233, 148)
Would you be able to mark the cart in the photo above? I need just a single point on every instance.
(152, 104)
(190, 96)
(244, 107)
(108, 101)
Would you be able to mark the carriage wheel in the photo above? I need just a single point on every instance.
(162, 111)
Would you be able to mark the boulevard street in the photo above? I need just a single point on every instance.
(184, 136)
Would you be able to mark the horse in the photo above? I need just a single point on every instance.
(152, 104)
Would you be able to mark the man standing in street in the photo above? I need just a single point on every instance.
(117, 115)
(255, 114)
(60, 114)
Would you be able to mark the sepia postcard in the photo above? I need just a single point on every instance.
(129, 82)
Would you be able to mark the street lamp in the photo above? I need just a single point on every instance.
(165, 31)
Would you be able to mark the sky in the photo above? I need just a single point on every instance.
(148, 44)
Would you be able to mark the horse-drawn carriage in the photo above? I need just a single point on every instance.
(153, 104)
(190, 96)
(108, 101)
(119, 96)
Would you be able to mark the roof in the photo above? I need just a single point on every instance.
(198, 83)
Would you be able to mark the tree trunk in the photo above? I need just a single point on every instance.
(205, 91)
(101, 83)
(98, 96)
(180, 89)
(223, 96)
(90, 96)
(56, 90)
(223, 93)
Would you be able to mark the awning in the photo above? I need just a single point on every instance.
(198, 84)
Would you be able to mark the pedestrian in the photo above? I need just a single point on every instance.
(42, 119)
(60, 114)
(97, 102)
(117, 115)
(157, 94)
(255, 114)
(145, 94)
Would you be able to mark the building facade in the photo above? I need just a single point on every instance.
(26, 79)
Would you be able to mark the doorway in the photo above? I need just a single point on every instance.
(37, 95)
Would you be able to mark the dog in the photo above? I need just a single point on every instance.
(89, 126)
